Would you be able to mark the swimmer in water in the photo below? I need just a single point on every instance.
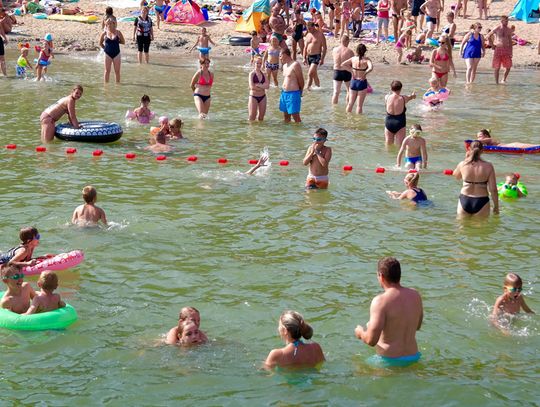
(414, 148)
(143, 113)
(260, 163)
(178, 335)
(511, 182)
(292, 328)
(413, 193)
(160, 145)
(89, 214)
(318, 157)
(46, 300)
(511, 301)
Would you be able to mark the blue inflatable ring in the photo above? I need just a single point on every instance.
(91, 131)
(57, 319)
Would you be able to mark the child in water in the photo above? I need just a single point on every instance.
(511, 183)
(175, 129)
(511, 301)
(46, 300)
(18, 294)
(415, 194)
(89, 214)
(160, 145)
(22, 62)
(143, 114)
(187, 331)
(435, 95)
(22, 255)
(203, 44)
(45, 54)
(414, 148)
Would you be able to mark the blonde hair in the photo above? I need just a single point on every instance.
(48, 280)
(413, 178)
(89, 194)
(176, 123)
(296, 326)
(513, 280)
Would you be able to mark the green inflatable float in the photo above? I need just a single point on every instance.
(511, 191)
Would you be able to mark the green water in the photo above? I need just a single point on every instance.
(243, 249)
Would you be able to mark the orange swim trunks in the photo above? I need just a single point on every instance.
(317, 181)
(502, 56)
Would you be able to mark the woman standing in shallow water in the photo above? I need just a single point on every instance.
(296, 353)
(201, 83)
(478, 183)
(258, 83)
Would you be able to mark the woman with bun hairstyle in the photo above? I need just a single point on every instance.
(478, 183)
(292, 328)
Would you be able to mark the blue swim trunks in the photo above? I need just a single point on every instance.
(204, 50)
(413, 160)
(402, 361)
(290, 101)
(159, 9)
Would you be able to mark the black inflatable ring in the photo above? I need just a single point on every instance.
(90, 131)
(240, 41)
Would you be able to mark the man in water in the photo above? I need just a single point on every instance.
(502, 55)
(318, 157)
(342, 73)
(290, 101)
(395, 316)
(314, 53)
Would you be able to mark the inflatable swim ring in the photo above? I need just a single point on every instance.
(57, 319)
(432, 97)
(433, 42)
(511, 191)
(130, 115)
(59, 262)
(239, 41)
(90, 131)
(507, 149)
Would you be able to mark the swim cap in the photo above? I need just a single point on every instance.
(163, 119)
(48, 37)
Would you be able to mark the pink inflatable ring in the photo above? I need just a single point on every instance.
(59, 262)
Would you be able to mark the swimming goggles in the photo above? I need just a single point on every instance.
(18, 276)
(319, 139)
(37, 237)
(514, 289)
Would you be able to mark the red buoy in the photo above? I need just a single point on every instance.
(253, 161)
(448, 172)
(380, 170)
(41, 149)
(161, 158)
(97, 153)
(412, 171)
(11, 146)
(71, 150)
(130, 156)
(347, 168)
(283, 163)
(192, 158)
(222, 160)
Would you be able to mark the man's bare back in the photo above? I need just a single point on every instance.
(88, 214)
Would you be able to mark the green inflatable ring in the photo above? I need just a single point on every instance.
(57, 319)
(507, 191)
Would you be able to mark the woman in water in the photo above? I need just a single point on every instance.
(296, 353)
(395, 123)
(258, 83)
(441, 61)
(361, 66)
(110, 41)
(201, 83)
(472, 49)
(53, 113)
(478, 183)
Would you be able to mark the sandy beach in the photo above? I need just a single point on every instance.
(74, 36)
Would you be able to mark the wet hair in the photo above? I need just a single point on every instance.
(77, 87)
(185, 313)
(176, 123)
(513, 280)
(295, 325)
(89, 194)
(321, 132)
(413, 178)
(109, 11)
(28, 234)
(48, 280)
(389, 269)
(361, 50)
(485, 132)
(396, 85)
(145, 98)
(9, 269)
(474, 152)
(161, 138)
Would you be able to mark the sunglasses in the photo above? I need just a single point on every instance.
(514, 289)
(318, 139)
(18, 276)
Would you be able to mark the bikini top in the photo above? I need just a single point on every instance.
(204, 82)
(476, 183)
(438, 57)
(274, 53)
(295, 344)
(256, 79)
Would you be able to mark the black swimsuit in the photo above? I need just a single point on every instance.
(298, 32)
(395, 122)
(112, 47)
(473, 204)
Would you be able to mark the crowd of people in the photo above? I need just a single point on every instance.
(397, 313)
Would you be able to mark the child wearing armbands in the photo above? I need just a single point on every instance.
(18, 294)
(414, 148)
(88, 214)
(142, 114)
(415, 194)
(187, 331)
(46, 300)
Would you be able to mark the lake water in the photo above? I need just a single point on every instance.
(243, 249)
